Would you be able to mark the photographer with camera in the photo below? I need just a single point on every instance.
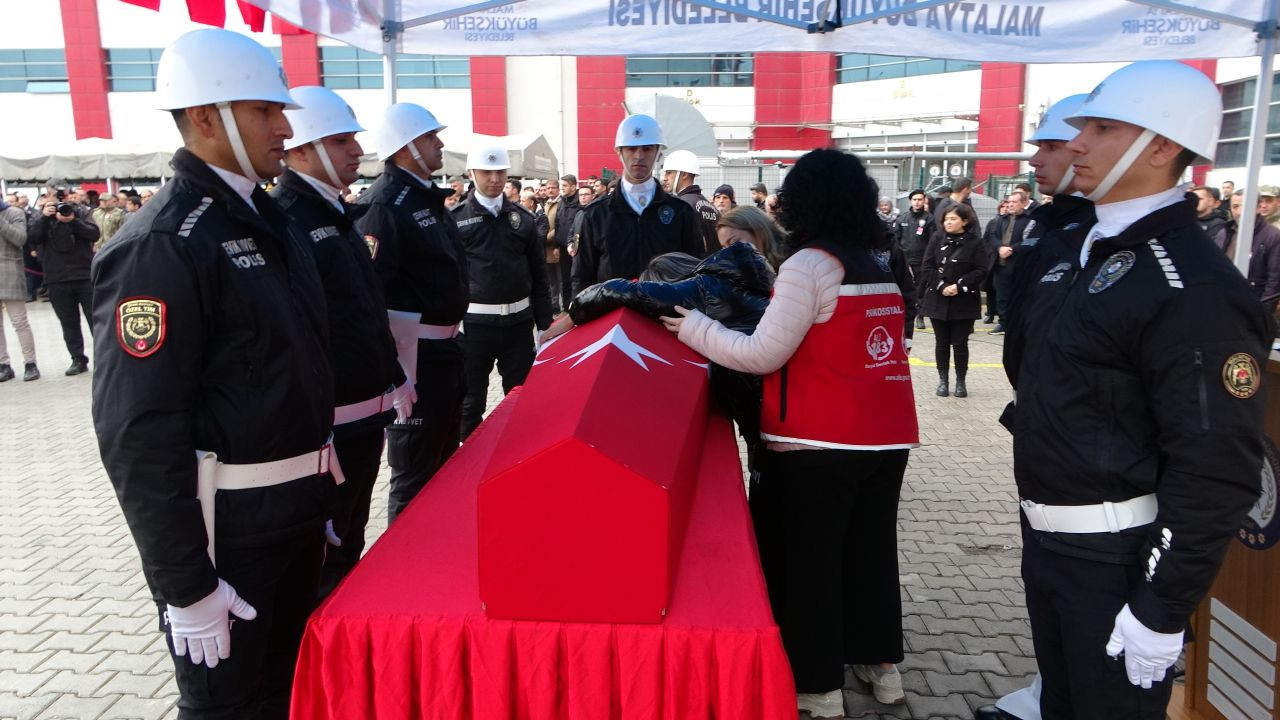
(64, 239)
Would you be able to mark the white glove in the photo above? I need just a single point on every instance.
(1147, 653)
(404, 329)
(330, 536)
(204, 627)
(402, 399)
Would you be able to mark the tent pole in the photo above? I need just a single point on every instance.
(391, 30)
(1257, 139)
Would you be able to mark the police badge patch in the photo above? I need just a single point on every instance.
(1261, 527)
(514, 217)
(371, 242)
(1240, 375)
(140, 325)
(1112, 270)
(666, 215)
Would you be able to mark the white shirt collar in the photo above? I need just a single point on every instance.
(634, 193)
(238, 183)
(493, 205)
(327, 191)
(1115, 218)
(425, 183)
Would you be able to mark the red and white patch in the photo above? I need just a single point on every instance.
(372, 243)
(140, 325)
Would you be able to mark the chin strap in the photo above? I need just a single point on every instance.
(1065, 182)
(417, 157)
(328, 164)
(237, 145)
(1122, 165)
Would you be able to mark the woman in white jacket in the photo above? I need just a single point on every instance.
(838, 416)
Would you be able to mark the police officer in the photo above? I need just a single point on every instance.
(509, 289)
(912, 230)
(213, 377)
(1055, 228)
(679, 173)
(638, 222)
(419, 257)
(1137, 433)
(323, 158)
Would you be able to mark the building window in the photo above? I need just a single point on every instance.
(726, 70)
(348, 68)
(859, 67)
(33, 71)
(132, 69)
(1237, 115)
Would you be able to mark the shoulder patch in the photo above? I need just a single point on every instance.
(1115, 267)
(140, 325)
(193, 216)
(371, 242)
(1166, 263)
(400, 198)
(1240, 375)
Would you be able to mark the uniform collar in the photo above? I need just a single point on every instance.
(330, 193)
(639, 196)
(239, 184)
(1115, 218)
(426, 183)
(493, 205)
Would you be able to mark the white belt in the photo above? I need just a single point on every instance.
(212, 476)
(499, 309)
(363, 409)
(1100, 518)
(437, 332)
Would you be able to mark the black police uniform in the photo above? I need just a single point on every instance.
(1138, 374)
(419, 257)
(708, 217)
(506, 264)
(615, 242)
(361, 351)
(210, 334)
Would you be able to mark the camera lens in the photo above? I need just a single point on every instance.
(66, 209)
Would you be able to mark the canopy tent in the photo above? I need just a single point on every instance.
(683, 126)
(1046, 31)
(85, 159)
(531, 157)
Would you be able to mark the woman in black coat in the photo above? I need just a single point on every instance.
(955, 263)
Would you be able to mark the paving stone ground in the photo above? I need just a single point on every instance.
(78, 634)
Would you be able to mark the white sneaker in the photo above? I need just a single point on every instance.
(886, 685)
(822, 706)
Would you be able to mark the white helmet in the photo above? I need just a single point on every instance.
(402, 123)
(211, 65)
(1166, 97)
(1053, 125)
(682, 161)
(636, 130)
(321, 114)
(488, 157)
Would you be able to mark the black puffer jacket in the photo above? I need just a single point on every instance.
(732, 285)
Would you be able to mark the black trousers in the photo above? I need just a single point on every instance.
(69, 300)
(566, 279)
(917, 276)
(949, 335)
(509, 345)
(1002, 280)
(418, 447)
(553, 282)
(1072, 604)
(993, 294)
(279, 581)
(360, 455)
(826, 524)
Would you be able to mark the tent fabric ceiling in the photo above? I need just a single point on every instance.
(683, 125)
(94, 158)
(531, 157)
(1046, 31)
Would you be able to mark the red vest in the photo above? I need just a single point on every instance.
(848, 385)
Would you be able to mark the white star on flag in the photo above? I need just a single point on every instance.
(618, 338)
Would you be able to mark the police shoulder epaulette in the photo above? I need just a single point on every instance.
(400, 198)
(178, 216)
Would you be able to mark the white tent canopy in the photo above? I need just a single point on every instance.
(91, 158)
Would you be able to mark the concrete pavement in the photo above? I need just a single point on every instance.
(78, 633)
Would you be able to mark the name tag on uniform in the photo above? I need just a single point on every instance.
(321, 233)
(470, 221)
(244, 253)
(424, 218)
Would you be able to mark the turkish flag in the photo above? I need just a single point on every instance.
(280, 26)
(254, 16)
(148, 4)
(208, 12)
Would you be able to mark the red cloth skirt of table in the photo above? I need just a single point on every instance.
(404, 636)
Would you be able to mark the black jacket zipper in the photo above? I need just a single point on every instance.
(1202, 393)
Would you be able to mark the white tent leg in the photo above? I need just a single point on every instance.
(1257, 141)
(391, 30)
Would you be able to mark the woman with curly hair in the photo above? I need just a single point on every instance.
(838, 417)
(956, 261)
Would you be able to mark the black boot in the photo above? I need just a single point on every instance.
(944, 389)
(32, 373)
(919, 322)
(78, 366)
(961, 390)
(6, 373)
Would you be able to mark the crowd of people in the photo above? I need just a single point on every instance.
(371, 322)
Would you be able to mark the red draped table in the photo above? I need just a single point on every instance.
(405, 636)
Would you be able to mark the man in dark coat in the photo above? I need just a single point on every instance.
(679, 177)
